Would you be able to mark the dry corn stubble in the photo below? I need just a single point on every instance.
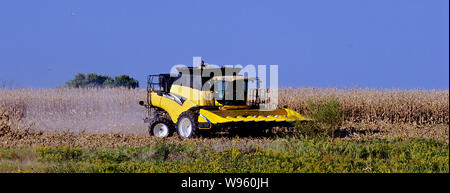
(76, 110)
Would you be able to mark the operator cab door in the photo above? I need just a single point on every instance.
(231, 92)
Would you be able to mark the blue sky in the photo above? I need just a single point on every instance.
(316, 43)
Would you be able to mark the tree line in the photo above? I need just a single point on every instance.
(93, 80)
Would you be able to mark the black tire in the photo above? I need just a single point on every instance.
(193, 118)
(159, 121)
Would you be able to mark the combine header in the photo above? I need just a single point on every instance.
(187, 103)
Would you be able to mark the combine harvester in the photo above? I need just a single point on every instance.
(179, 103)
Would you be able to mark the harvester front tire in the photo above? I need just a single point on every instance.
(187, 125)
(161, 128)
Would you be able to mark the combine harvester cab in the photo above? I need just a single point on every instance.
(186, 103)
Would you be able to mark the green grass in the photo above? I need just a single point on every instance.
(284, 155)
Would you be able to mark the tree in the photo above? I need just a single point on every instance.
(125, 81)
(77, 82)
(93, 80)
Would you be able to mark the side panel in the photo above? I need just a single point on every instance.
(200, 98)
(173, 108)
(155, 99)
(208, 116)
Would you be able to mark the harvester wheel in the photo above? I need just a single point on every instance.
(161, 128)
(187, 125)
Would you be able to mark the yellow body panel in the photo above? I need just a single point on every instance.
(173, 108)
(201, 98)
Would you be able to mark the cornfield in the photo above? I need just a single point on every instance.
(10, 116)
(117, 110)
(76, 110)
(370, 105)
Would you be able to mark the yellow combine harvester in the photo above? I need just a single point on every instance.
(181, 103)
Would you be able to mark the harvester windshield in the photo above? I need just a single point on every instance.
(231, 92)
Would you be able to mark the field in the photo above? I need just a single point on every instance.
(101, 130)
